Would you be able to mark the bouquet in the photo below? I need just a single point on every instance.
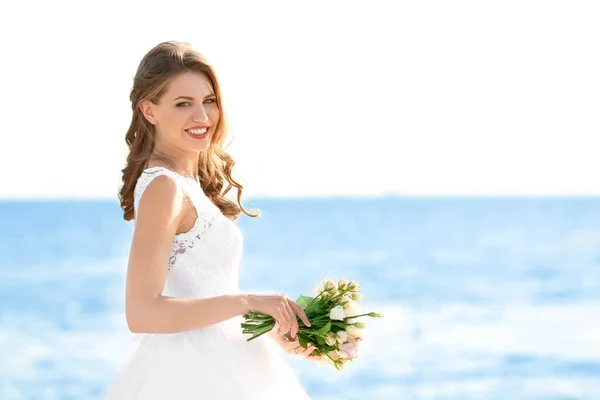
(334, 331)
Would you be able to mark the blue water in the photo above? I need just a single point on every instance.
(484, 298)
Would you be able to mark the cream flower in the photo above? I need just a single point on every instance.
(351, 308)
(345, 299)
(331, 339)
(331, 286)
(349, 350)
(356, 296)
(354, 332)
(319, 289)
(341, 336)
(337, 313)
(343, 284)
(327, 287)
(353, 287)
(324, 360)
(334, 355)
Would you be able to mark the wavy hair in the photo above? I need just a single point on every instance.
(215, 166)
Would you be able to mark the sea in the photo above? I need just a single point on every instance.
(484, 298)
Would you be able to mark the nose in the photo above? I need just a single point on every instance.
(200, 115)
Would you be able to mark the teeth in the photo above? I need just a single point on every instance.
(197, 131)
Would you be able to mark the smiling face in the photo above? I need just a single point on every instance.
(186, 116)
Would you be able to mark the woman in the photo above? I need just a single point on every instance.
(182, 298)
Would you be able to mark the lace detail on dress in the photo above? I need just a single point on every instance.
(184, 241)
(187, 240)
(205, 260)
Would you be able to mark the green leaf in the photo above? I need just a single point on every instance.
(304, 301)
(320, 341)
(325, 329)
(303, 340)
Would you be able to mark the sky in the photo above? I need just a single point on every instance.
(325, 98)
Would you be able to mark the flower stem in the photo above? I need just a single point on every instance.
(315, 298)
(356, 316)
(255, 336)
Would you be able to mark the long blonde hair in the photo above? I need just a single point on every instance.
(157, 68)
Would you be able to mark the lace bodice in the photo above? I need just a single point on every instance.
(204, 261)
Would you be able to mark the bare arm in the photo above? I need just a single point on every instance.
(172, 315)
(147, 311)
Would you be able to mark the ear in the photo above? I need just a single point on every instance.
(147, 109)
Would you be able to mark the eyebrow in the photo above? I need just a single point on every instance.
(191, 98)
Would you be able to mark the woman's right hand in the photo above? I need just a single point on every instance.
(281, 308)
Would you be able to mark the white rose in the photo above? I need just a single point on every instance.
(324, 360)
(319, 289)
(343, 284)
(331, 339)
(334, 355)
(356, 296)
(353, 287)
(354, 332)
(345, 299)
(337, 313)
(341, 336)
(331, 286)
(351, 308)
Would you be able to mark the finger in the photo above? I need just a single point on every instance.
(308, 351)
(292, 347)
(283, 325)
(304, 350)
(304, 353)
(291, 320)
(298, 309)
(288, 346)
(284, 318)
(312, 357)
(295, 327)
(276, 327)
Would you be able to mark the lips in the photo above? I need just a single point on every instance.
(198, 133)
(197, 128)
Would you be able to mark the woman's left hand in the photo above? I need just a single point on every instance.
(293, 346)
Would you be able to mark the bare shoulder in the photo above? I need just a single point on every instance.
(160, 205)
(158, 217)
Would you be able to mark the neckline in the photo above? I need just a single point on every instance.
(192, 179)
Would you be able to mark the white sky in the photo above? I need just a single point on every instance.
(324, 97)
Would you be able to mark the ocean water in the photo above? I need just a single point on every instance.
(484, 298)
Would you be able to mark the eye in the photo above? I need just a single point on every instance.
(180, 104)
(211, 100)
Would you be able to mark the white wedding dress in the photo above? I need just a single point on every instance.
(215, 362)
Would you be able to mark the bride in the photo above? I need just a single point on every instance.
(183, 302)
